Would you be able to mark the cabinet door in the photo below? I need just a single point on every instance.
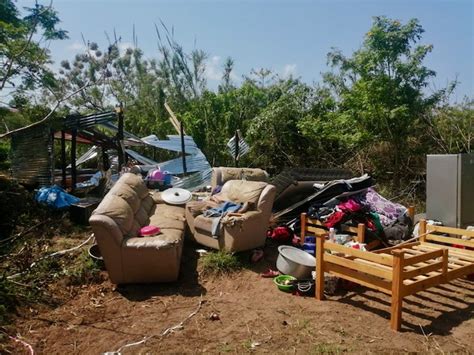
(466, 190)
(442, 188)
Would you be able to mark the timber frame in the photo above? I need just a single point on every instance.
(402, 270)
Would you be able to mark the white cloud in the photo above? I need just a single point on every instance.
(213, 68)
(123, 46)
(76, 47)
(289, 70)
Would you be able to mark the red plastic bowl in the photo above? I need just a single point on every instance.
(149, 231)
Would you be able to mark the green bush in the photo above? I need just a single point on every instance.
(85, 270)
(220, 262)
(4, 155)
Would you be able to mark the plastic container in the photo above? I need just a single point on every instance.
(156, 175)
(309, 248)
(96, 256)
(310, 239)
(149, 231)
(295, 262)
(342, 238)
(285, 283)
(167, 177)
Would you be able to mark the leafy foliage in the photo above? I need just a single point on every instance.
(370, 113)
(23, 58)
(381, 87)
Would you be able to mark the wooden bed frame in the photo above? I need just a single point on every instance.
(402, 270)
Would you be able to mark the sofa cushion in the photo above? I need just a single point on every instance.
(142, 217)
(128, 194)
(136, 183)
(120, 211)
(168, 211)
(166, 223)
(147, 204)
(241, 191)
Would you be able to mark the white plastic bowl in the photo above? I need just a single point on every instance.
(295, 262)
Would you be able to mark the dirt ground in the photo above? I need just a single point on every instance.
(253, 316)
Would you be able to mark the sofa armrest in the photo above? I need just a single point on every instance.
(242, 217)
(104, 226)
(109, 238)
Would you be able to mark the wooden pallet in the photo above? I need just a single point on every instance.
(402, 270)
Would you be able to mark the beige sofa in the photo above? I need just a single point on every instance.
(238, 233)
(126, 208)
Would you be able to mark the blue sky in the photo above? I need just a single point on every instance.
(285, 36)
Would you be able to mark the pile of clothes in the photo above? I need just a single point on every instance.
(384, 220)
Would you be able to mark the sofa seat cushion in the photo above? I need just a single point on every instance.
(166, 239)
(167, 216)
(164, 222)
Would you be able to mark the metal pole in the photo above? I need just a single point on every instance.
(63, 157)
(120, 151)
(236, 155)
(183, 151)
(73, 159)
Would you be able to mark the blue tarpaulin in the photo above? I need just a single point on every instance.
(56, 197)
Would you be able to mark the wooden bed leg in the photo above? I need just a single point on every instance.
(445, 265)
(303, 228)
(422, 230)
(411, 213)
(397, 290)
(319, 293)
(361, 233)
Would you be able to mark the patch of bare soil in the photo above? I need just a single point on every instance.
(249, 314)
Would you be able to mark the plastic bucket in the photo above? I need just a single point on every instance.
(95, 254)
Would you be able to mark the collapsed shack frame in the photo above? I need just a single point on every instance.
(32, 147)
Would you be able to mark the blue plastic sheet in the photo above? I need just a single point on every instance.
(55, 197)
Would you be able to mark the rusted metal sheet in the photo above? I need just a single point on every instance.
(32, 155)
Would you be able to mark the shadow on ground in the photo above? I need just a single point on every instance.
(448, 306)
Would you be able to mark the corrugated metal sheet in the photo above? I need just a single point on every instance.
(173, 143)
(32, 155)
(77, 121)
(140, 158)
(130, 138)
(243, 146)
(194, 181)
(194, 163)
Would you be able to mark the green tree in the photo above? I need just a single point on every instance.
(23, 55)
(274, 134)
(452, 128)
(381, 87)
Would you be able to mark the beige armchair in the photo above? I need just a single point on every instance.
(241, 231)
